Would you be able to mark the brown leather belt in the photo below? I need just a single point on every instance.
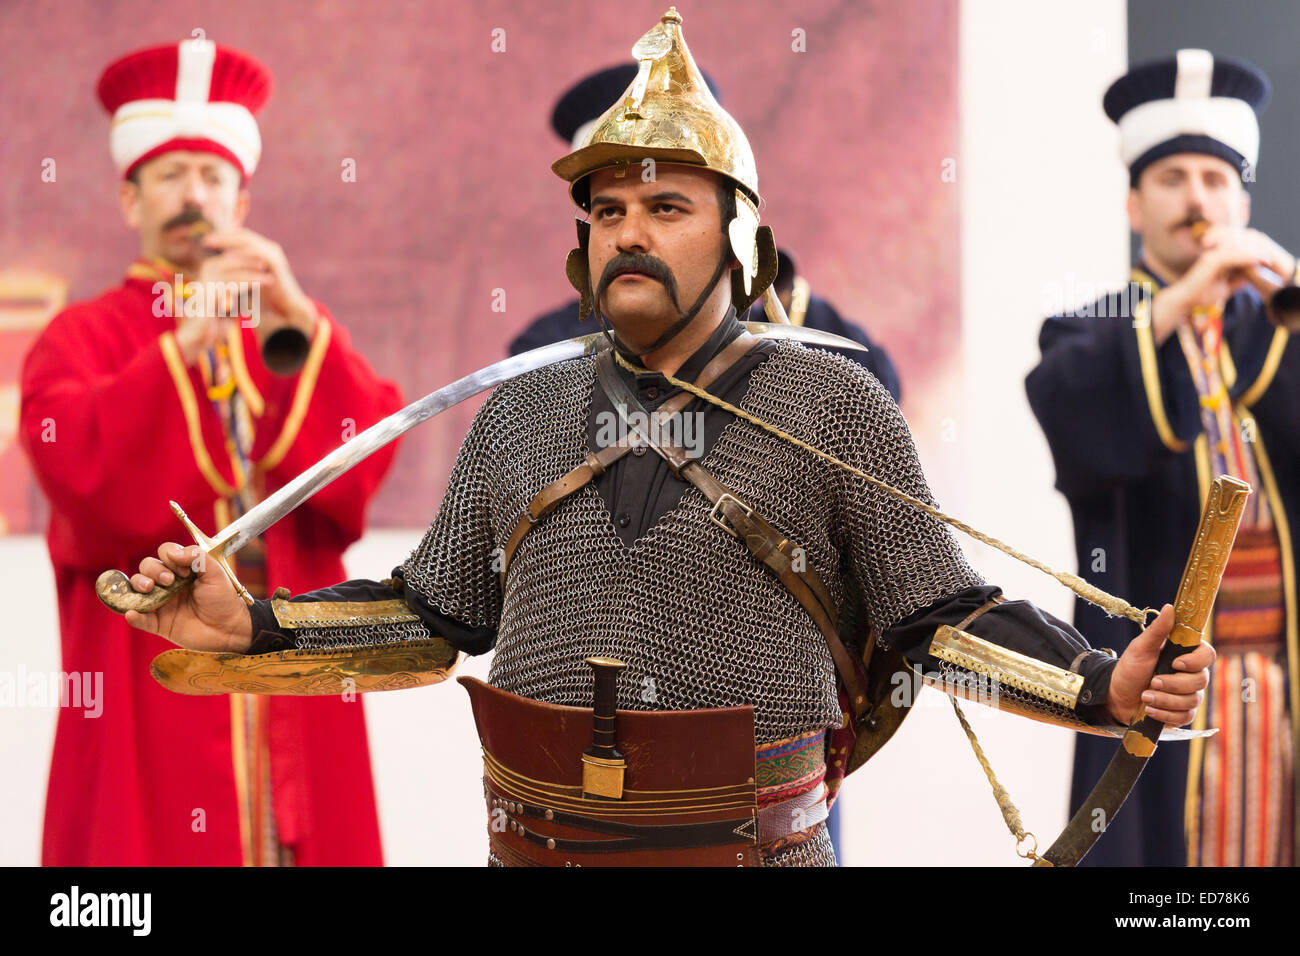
(629, 836)
(689, 798)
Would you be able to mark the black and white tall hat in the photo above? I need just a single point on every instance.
(1193, 102)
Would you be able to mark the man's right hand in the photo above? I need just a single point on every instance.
(207, 616)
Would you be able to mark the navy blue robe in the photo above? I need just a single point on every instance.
(1123, 429)
(563, 324)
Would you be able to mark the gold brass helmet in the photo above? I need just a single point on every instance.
(668, 115)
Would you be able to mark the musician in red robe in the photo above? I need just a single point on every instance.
(168, 374)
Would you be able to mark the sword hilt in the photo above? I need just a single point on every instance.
(115, 591)
(1211, 549)
(602, 763)
(1224, 507)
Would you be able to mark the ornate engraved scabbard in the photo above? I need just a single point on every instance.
(349, 663)
(1196, 593)
(307, 673)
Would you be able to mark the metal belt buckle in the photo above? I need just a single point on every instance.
(717, 518)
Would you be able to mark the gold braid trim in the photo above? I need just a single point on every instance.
(1112, 605)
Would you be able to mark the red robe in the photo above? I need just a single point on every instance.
(115, 426)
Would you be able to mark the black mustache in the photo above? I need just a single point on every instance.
(639, 262)
(187, 217)
(1192, 219)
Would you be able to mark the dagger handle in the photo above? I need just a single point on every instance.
(604, 704)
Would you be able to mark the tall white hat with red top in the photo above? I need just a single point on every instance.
(191, 95)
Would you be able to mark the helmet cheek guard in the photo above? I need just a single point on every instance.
(578, 268)
(745, 293)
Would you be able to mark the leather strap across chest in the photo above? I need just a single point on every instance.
(772, 549)
(550, 497)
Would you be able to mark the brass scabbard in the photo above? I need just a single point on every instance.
(307, 673)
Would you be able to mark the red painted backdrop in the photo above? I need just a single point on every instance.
(454, 197)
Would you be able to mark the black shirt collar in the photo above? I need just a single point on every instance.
(722, 336)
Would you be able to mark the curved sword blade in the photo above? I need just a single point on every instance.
(800, 333)
(275, 506)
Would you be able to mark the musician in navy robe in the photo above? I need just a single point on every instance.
(1145, 396)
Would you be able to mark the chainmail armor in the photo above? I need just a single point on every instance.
(994, 693)
(698, 621)
(817, 850)
(369, 635)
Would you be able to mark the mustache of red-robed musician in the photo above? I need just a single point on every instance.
(189, 216)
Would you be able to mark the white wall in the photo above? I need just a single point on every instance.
(1042, 195)
(29, 644)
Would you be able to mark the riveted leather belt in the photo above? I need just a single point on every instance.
(690, 797)
(625, 836)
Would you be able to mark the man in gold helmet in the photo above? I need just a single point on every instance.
(574, 116)
(746, 606)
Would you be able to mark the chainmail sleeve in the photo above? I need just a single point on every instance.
(902, 558)
(914, 577)
(448, 588)
(455, 570)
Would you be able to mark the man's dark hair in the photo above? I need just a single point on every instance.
(135, 176)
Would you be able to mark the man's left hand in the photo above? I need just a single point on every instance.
(1171, 698)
